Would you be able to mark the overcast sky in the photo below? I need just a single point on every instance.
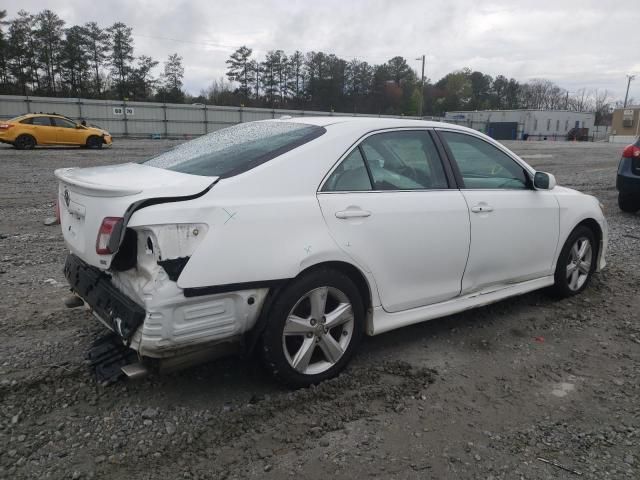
(582, 43)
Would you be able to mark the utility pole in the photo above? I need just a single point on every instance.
(421, 86)
(626, 95)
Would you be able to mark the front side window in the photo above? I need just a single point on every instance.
(483, 166)
(62, 123)
(350, 176)
(403, 160)
(236, 149)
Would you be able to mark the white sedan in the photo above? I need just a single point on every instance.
(298, 236)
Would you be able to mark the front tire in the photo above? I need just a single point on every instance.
(315, 326)
(629, 203)
(24, 142)
(576, 263)
(94, 142)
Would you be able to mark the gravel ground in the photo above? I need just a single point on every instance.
(478, 395)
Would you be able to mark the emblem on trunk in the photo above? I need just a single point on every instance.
(66, 197)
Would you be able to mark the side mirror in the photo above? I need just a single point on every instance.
(544, 181)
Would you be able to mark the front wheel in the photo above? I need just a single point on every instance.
(629, 203)
(314, 328)
(576, 263)
(94, 142)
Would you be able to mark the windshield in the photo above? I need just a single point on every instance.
(236, 149)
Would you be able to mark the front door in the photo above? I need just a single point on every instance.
(389, 206)
(68, 133)
(514, 228)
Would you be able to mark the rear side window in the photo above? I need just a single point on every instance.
(236, 149)
(42, 121)
(404, 160)
(350, 176)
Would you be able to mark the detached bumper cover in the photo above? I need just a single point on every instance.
(122, 314)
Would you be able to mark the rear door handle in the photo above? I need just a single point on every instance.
(481, 207)
(353, 213)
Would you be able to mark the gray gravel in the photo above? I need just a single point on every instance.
(482, 394)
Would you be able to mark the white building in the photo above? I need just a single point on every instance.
(520, 124)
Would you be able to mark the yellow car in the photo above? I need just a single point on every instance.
(27, 131)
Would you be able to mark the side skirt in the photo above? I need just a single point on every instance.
(383, 321)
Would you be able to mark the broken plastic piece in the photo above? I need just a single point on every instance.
(107, 356)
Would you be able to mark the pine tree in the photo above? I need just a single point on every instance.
(75, 61)
(172, 76)
(48, 36)
(98, 47)
(21, 61)
(121, 56)
(143, 82)
(4, 53)
(239, 70)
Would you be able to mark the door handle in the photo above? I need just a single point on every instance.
(353, 213)
(481, 208)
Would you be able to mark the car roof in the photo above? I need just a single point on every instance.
(372, 123)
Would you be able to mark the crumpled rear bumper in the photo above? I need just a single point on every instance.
(115, 309)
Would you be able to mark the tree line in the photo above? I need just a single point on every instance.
(40, 55)
(323, 81)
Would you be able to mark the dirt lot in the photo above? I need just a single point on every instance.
(477, 395)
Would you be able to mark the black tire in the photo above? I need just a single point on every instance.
(94, 142)
(563, 286)
(629, 203)
(25, 142)
(277, 349)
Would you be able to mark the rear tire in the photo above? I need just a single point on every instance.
(24, 142)
(629, 203)
(94, 142)
(314, 328)
(576, 263)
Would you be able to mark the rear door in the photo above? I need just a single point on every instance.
(514, 228)
(388, 204)
(42, 129)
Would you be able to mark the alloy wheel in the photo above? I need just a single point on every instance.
(579, 263)
(318, 330)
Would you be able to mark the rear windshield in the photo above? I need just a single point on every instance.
(236, 149)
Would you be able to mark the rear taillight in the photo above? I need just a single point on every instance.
(109, 226)
(5, 126)
(631, 152)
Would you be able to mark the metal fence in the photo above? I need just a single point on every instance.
(142, 119)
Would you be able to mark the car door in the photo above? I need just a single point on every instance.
(42, 130)
(389, 205)
(514, 228)
(68, 133)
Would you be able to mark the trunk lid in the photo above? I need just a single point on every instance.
(87, 195)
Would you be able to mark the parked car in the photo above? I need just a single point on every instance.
(628, 182)
(27, 131)
(302, 235)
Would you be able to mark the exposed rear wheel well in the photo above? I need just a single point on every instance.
(353, 273)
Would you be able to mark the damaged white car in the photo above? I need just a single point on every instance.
(298, 236)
